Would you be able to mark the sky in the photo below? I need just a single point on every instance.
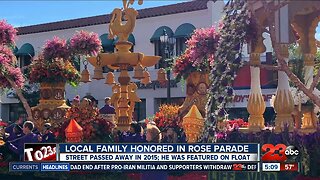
(24, 13)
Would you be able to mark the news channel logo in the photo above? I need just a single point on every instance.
(279, 153)
(40, 152)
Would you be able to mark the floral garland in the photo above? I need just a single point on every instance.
(236, 28)
(299, 97)
(8, 69)
(196, 59)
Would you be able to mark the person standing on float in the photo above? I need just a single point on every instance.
(107, 108)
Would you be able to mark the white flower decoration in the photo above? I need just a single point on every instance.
(272, 100)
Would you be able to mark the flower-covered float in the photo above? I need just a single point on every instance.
(53, 68)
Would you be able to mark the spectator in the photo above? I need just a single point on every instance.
(17, 145)
(153, 136)
(76, 101)
(107, 108)
(10, 128)
(17, 133)
(134, 135)
(171, 136)
(48, 136)
(94, 103)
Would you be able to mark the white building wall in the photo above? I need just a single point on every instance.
(143, 32)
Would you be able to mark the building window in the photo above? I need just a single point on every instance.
(108, 49)
(15, 110)
(140, 111)
(106, 69)
(24, 61)
(158, 47)
(182, 33)
(158, 52)
(180, 45)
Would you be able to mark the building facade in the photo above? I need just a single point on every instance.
(179, 20)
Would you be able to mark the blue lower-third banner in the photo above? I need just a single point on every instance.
(133, 167)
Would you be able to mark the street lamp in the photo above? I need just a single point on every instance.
(168, 51)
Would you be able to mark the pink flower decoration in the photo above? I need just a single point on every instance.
(6, 55)
(220, 135)
(8, 69)
(7, 33)
(201, 48)
(56, 48)
(85, 43)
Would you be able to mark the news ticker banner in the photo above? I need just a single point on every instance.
(159, 152)
(133, 167)
(136, 167)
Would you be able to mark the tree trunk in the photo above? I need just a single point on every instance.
(22, 99)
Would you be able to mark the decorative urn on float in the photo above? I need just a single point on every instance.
(52, 104)
(52, 69)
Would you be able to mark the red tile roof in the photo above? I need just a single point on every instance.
(104, 19)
